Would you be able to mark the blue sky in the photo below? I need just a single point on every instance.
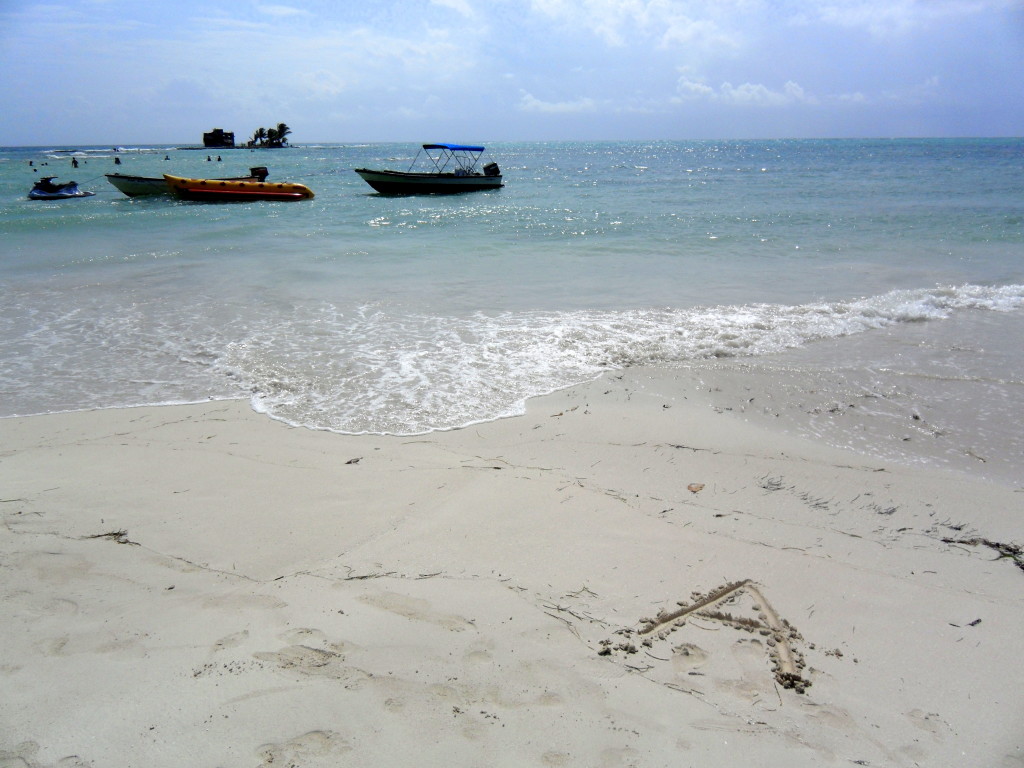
(137, 72)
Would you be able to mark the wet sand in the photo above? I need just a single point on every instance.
(630, 574)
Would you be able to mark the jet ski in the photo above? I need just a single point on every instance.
(45, 189)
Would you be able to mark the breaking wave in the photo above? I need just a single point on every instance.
(374, 371)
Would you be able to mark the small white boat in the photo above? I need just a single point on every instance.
(138, 186)
(454, 169)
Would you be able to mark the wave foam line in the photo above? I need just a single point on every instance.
(375, 372)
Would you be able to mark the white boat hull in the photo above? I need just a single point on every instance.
(137, 186)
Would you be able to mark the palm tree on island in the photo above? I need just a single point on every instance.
(271, 138)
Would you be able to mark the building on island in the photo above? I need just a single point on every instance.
(218, 138)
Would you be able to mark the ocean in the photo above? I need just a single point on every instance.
(877, 278)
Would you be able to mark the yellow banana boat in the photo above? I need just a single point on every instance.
(226, 190)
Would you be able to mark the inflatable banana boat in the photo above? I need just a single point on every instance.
(226, 190)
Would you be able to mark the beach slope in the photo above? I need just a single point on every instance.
(623, 576)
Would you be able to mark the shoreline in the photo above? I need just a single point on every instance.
(204, 583)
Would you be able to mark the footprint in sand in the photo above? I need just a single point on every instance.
(310, 749)
(305, 661)
(305, 635)
(930, 722)
(92, 642)
(687, 657)
(615, 757)
(308, 637)
(60, 605)
(54, 646)
(754, 678)
(19, 756)
(479, 653)
(231, 641)
(749, 652)
(555, 758)
(415, 609)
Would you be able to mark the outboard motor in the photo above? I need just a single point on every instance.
(492, 169)
(259, 172)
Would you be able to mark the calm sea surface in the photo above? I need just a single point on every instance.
(360, 313)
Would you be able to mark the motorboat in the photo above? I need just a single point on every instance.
(224, 190)
(46, 189)
(449, 168)
(138, 186)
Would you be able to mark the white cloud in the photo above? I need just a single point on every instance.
(852, 98)
(680, 30)
(459, 6)
(224, 23)
(281, 11)
(750, 94)
(746, 94)
(529, 103)
(885, 18)
(630, 63)
(620, 22)
(688, 88)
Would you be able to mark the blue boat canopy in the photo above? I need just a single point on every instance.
(454, 147)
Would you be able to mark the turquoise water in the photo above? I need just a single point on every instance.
(362, 313)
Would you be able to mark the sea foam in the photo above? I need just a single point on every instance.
(378, 372)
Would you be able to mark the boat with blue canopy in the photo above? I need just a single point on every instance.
(449, 168)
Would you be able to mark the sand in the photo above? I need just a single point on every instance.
(624, 576)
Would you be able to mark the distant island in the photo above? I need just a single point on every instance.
(272, 138)
(268, 138)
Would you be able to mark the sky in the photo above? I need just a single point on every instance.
(125, 72)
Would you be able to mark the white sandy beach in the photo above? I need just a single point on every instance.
(203, 586)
